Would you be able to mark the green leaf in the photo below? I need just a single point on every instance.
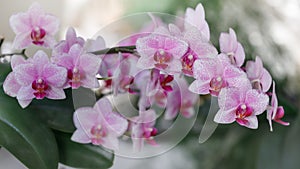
(82, 155)
(23, 134)
(291, 147)
(58, 114)
(5, 69)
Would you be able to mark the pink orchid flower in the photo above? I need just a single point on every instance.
(142, 129)
(213, 74)
(152, 87)
(99, 125)
(241, 105)
(161, 50)
(198, 47)
(232, 48)
(82, 67)
(124, 75)
(93, 45)
(258, 75)
(275, 112)
(196, 18)
(65, 45)
(35, 78)
(180, 100)
(34, 27)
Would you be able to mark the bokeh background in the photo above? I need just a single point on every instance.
(266, 28)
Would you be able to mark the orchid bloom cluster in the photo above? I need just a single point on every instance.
(155, 71)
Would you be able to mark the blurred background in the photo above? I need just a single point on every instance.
(266, 28)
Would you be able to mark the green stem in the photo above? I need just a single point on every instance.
(122, 49)
(104, 78)
(1, 41)
(114, 50)
(11, 54)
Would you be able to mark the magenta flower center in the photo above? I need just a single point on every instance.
(187, 63)
(74, 77)
(37, 35)
(98, 133)
(216, 84)
(40, 86)
(162, 58)
(164, 82)
(242, 112)
(149, 133)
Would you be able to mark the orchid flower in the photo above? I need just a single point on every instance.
(198, 47)
(64, 46)
(125, 73)
(99, 125)
(232, 48)
(275, 112)
(196, 18)
(82, 67)
(258, 75)
(34, 27)
(36, 78)
(241, 105)
(161, 50)
(180, 100)
(213, 74)
(142, 129)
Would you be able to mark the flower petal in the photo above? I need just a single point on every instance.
(56, 76)
(103, 105)
(22, 41)
(55, 93)
(266, 80)
(81, 137)
(20, 23)
(92, 45)
(25, 93)
(239, 55)
(252, 122)
(84, 118)
(50, 24)
(90, 64)
(204, 69)
(145, 62)
(25, 74)
(11, 86)
(111, 142)
(229, 98)
(115, 123)
(225, 117)
(200, 87)
(257, 101)
(17, 60)
(24, 103)
(40, 59)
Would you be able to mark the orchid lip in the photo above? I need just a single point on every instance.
(40, 86)
(37, 35)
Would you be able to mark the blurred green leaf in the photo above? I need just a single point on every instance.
(291, 147)
(82, 155)
(23, 134)
(269, 155)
